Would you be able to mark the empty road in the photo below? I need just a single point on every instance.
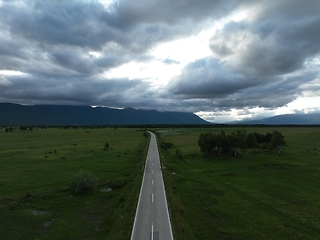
(152, 217)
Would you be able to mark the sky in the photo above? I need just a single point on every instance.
(224, 60)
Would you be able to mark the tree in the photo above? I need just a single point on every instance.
(242, 138)
(267, 138)
(106, 146)
(277, 141)
(145, 133)
(215, 144)
(232, 144)
(83, 182)
(10, 129)
(207, 143)
(251, 140)
(221, 141)
(166, 145)
(179, 154)
(261, 139)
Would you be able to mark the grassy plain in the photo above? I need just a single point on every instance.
(261, 196)
(35, 169)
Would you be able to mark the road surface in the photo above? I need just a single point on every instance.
(152, 220)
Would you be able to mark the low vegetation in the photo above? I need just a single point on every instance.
(83, 182)
(36, 200)
(166, 145)
(218, 143)
(118, 182)
(257, 195)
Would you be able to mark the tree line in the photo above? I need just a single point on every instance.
(216, 144)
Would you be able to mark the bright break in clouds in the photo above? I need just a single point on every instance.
(222, 59)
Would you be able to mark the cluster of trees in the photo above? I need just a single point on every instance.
(9, 129)
(22, 128)
(212, 144)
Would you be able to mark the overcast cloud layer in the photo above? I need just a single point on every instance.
(237, 58)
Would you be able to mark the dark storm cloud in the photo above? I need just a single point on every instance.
(77, 90)
(9, 48)
(129, 13)
(76, 27)
(222, 88)
(286, 48)
(67, 23)
(63, 49)
(50, 42)
(87, 24)
(256, 57)
(210, 78)
(72, 60)
(281, 51)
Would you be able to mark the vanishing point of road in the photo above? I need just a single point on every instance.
(152, 220)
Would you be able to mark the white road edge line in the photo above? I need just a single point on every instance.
(135, 217)
(165, 198)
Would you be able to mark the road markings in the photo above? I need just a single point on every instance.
(149, 211)
(152, 231)
(142, 186)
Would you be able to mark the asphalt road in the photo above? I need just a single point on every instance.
(152, 220)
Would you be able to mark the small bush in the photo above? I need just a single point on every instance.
(106, 145)
(179, 154)
(166, 145)
(83, 182)
(146, 134)
(122, 199)
(118, 183)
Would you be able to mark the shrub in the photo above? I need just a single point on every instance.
(145, 134)
(179, 154)
(166, 145)
(106, 145)
(118, 182)
(83, 182)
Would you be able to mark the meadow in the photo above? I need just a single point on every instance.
(258, 195)
(251, 196)
(35, 169)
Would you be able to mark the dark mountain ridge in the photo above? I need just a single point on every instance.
(294, 119)
(15, 114)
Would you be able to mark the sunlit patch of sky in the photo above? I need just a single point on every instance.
(11, 73)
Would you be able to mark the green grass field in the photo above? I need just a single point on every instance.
(262, 196)
(35, 169)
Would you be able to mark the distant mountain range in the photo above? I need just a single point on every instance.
(15, 114)
(297, 119)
